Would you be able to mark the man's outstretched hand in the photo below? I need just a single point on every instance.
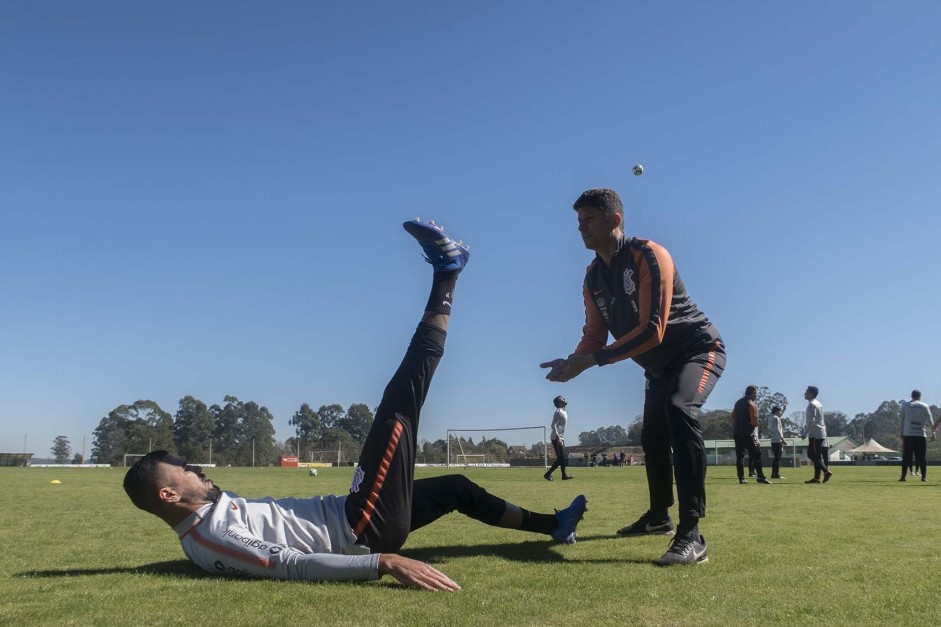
(562, 370)
(414, 573)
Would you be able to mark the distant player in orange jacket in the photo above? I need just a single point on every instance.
(745, 432)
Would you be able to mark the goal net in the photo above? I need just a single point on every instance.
(499, 448)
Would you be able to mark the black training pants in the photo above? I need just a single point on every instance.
(748, 443)
(671, 423)
(379, 506)
(914, 447)
(559, 449)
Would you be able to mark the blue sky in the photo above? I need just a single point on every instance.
(205, 199)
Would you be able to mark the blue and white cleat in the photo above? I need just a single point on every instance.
(443, 253)
(568, 520)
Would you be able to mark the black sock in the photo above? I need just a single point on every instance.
(538, 523)
(442, 292)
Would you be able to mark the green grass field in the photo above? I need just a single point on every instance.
(862, 549)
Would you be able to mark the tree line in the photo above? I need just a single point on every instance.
(237, 433)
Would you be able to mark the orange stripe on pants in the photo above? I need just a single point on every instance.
(708, 369)
(380, 478)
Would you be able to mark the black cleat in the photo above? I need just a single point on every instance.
(644, 526)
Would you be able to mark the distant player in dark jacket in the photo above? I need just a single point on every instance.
(633, 292)
(745, 432)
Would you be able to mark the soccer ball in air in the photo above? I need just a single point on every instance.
(637, 170)
(313, 472)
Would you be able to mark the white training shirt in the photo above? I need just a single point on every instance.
(916, 419)
(281, 539)
(559, 420)
(775, 432)
(815, 427)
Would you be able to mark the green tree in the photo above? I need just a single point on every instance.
(192, 429)
(635, 430)
(605, 436)
(78, 459)
(716, 424)
(331, 417)
(306, 425)
(225, 430)
(256, 429)
(357, 421)
(836, 422)
(767, 400)
(61, 449)
(882, 424)
(137, 428)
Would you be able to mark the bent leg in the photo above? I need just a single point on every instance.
(434, 497)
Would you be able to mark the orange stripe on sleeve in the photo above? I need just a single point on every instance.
(231, 552)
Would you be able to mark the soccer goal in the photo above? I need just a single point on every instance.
(133, 457)
(499, 448)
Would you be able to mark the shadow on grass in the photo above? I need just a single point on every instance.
(174, 568)
(533, 552)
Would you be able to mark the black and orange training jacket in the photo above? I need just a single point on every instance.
(641, 301)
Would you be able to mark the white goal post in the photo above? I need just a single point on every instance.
(521, 446)
(136, 457)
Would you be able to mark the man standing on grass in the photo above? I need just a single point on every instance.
(745, 432)
(559, 421)
(815, 430)
(633, 291)
(913, 427)
(356, 536)
(776, 433)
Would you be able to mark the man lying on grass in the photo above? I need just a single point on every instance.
(352, 537)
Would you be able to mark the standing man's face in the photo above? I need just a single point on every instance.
(808, 395)
(594, 227)
(751, 394)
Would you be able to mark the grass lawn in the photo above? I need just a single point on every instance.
(861, 549)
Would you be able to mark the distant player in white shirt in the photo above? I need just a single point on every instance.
(559, 421)
(914, 427)
(356, 536)
(776, 433)
(815, 430)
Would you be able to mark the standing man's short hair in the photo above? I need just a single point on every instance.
(775, 409)
(559, 401)
(916, 395)
(607, 200)
(751, 389)
(813, 390)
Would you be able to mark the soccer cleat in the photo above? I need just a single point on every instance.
(443, 253)
(742, 481)
(826, 476)
(547, 477)
(812, 481)
(764, 481)
(684, 550)
(644, 526)
(568, 520)
(567, 477)
(777, 477)
(902, 479)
